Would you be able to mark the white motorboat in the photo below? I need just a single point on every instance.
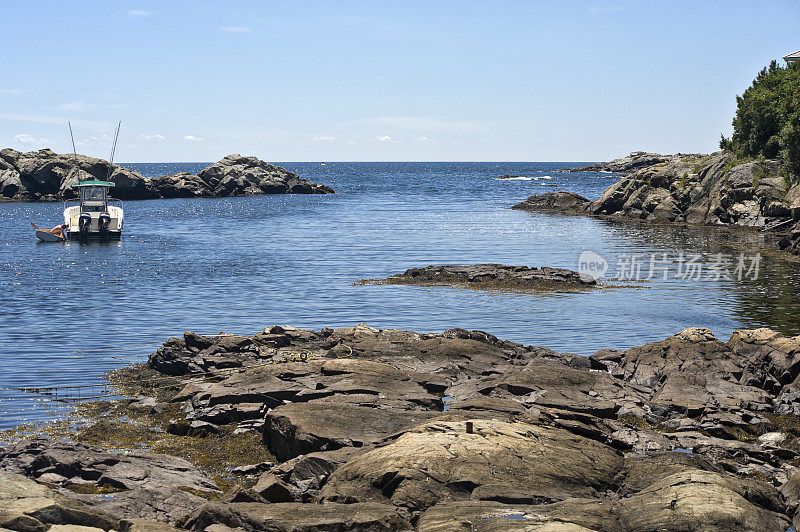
(93, 217)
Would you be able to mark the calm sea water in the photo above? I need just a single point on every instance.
(71, 312)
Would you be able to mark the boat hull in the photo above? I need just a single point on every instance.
(47, 236)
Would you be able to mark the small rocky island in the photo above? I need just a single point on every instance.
(715, 189)
(47, 176)
(490, 277)
(359, 428)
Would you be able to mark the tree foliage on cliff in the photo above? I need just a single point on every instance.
(767, 121)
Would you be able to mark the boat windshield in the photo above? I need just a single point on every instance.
(94, 194)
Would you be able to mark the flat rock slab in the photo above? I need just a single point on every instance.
(442, 461)
(62, 463)
(573, 515)
(491, 276)
(324, 425)
(298, 517)
(26, 505)
(698, 500)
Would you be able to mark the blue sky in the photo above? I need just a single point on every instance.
(379, 80)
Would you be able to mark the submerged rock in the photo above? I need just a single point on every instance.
(47, 176)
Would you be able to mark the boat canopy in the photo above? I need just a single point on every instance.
(93, 184)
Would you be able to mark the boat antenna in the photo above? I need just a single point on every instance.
(113, 149)
(74, 152)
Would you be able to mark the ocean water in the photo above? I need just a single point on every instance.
(71, 312)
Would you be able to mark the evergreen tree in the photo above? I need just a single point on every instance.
(767, 121)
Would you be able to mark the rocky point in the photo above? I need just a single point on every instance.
(714, 189)
(376, 429)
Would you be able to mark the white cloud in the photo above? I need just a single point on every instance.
(10, 92)
(386, 138)
(72, 107)
(193, 138)
(351, 143)
(234, 29)
(24, 138)
(137, 13)
(323, 139)
(422, 139)
(155, 137)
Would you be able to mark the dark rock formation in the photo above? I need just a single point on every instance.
(390, 430)
(490, 276)
(46, 176)
(555, 202)
(694, 189)
(235, 175)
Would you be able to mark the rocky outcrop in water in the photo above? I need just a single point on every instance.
(46, 176)
(395, 430)
(490, 276)
(236, 175)
(711, 190)
(554, 202)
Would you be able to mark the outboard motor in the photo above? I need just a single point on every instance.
(84, 221)
(103, 224)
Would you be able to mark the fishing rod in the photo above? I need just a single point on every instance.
(113, 150)
(74, 152)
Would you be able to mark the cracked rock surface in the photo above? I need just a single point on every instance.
(396, 430)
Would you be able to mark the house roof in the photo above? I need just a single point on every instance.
(794, 56)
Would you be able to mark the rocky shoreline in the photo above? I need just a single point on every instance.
(715, 189)
(631, 163)
(490, 277)
(358, 428)
(47, 176)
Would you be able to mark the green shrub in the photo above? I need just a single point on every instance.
(760, 171)
(736, 160)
